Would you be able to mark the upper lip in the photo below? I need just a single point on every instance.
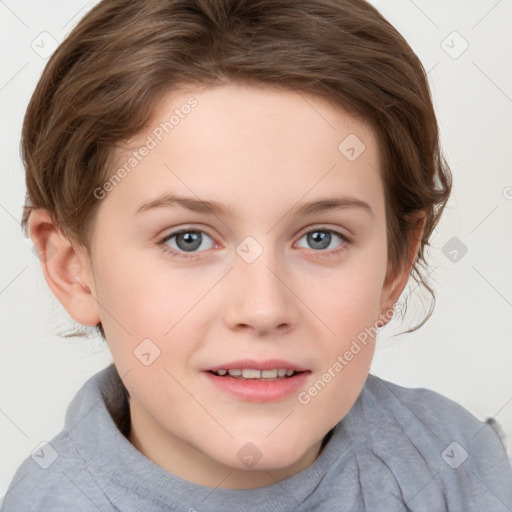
(267, 364)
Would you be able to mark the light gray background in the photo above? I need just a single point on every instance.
(464, 351)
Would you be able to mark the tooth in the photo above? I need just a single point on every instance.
(251, 374)
(289, 373)
(235, 373)
(222, 372)
(269, 373)
(281, 372)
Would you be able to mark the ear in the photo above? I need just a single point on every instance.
(66, 270)
(395, 283)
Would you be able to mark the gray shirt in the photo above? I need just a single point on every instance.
(397, 449)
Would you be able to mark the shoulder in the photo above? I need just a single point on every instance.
(55, 475)
(50, 479)
(414, 428)
(435, 413)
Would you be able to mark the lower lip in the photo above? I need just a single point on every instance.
(259, 390)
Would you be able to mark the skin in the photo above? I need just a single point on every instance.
(262, 152)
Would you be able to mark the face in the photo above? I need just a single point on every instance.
(249, 235)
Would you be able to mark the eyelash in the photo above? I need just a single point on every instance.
(194, 255)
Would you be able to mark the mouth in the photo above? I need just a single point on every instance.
(254, 374)
(262, 381)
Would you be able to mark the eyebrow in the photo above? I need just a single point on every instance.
(212, 207)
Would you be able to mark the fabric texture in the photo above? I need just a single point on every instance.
(396, 450)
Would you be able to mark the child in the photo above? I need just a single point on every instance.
(294, 147)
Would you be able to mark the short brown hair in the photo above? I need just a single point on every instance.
(100, 86)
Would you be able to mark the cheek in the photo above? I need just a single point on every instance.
(349, 308)
(149, 297)
(346, 353)
(151, 308)
(349, 302)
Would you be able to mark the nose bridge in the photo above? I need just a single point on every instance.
(256, 267)
(261, 300)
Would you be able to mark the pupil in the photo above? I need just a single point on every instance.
(192, 240)
(323, 238)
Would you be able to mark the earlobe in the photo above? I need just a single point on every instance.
(65, 269)
(395, 283)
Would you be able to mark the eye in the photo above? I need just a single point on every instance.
(194, 241)
(320, 239)
(185, 241)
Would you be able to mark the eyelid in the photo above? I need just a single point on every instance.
(326, 227)
(304, 231)
(195, 254)
(185, 229)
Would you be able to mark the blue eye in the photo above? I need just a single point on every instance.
(186, 240)
(320, 239)
(189, 243)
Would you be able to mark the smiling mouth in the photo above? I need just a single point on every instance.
(270, 381)
(253, 374)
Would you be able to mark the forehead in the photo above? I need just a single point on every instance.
(245, 117)
(266, 144)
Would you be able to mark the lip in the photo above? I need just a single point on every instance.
(255, 390)
(267, 364)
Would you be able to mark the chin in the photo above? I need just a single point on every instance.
(268, 454)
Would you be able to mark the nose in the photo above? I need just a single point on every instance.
(260, 298)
